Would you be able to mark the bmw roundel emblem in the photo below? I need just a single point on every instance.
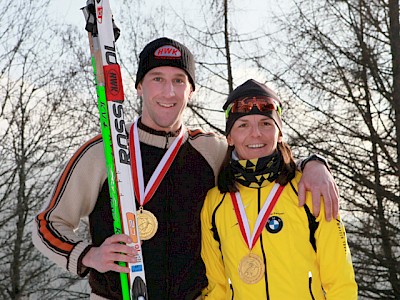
(274, 224)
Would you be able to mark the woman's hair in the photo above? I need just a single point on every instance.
(287, 170)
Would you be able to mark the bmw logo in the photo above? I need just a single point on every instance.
(274, 224)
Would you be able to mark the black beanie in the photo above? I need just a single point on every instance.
(251, 88)
(165, 52)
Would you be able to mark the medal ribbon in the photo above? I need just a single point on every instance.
(144, 195)
(261, 218)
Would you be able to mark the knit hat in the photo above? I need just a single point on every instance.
(165, 52)
(252, 88)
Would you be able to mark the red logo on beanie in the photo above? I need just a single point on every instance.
(167, 52)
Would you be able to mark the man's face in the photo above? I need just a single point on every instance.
(165, 92)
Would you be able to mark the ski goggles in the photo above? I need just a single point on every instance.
(245, 105)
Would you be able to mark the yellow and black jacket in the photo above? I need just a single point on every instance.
(304, 257)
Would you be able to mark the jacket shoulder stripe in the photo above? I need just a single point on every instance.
(193, 134)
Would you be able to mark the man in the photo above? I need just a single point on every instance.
(174, 270)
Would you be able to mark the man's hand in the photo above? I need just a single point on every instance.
(104, 258)
(319, 181)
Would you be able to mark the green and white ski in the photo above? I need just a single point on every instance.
(102, 34)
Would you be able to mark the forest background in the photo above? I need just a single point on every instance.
(335, 64)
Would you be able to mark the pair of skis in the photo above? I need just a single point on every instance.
(102, 34)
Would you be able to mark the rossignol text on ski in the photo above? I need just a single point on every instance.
(102, 35)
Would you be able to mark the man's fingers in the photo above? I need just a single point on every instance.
(116, 268)
(331, 200)
(121, 248)
(301, 194)
(316, 200)
(116, 257)
(335, 202)
(118, 238)
(118, 243)
(114, 249)
(328, 204)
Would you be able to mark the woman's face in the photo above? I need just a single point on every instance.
(254, 136)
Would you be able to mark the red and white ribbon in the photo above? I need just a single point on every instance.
(143, 194)
(261, 218)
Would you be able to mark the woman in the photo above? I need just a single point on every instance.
(257, 243)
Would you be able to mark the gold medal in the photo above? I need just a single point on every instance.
(147, 224)
(251, 268)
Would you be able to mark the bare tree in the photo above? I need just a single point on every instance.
(139, 25)
(340, 69)
(39, 127)
(219, 50)
(338, 64)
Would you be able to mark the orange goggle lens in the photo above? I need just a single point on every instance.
(245, 105)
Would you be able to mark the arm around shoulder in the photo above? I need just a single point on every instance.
(318, 179)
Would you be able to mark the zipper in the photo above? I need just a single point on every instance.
(262, 249)
(167, 136)
(310, 284)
